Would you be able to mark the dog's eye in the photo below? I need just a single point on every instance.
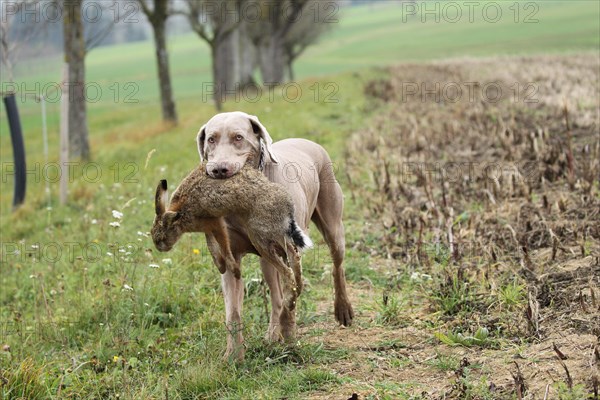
(239, 138)
(210, 140)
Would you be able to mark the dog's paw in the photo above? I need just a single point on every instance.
(344, 314)
(235, 354)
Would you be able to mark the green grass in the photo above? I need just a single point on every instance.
(444, 362)
(479, 338)
(77, 306)
(71, 323)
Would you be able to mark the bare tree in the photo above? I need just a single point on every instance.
(247, 55)
(10, 47)
(303, 33)
(76, 48)
(75, 52)
(157, 12)
(215, 21)
(284, 30)
(277, 19)
(273, 37)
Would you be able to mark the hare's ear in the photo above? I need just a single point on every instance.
(161, 198)
(200, 142)
(172, 216)
(262, 133)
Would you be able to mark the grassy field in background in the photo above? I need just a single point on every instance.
(75, 329)
(362, 37)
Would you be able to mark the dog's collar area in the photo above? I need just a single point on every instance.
(261, 156)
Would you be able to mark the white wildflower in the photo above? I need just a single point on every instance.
(418, 277)
(167, 261)
(116, 214)
(94, 221)
(108, 253)
(127, 287)
(115, 224)
(153, 266)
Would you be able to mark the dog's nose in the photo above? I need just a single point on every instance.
(220, 172)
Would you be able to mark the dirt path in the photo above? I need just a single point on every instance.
(409, 358)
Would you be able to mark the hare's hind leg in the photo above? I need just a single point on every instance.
(218, 230)
(290, 291)
(287, 317)
(294, 261)
(215, 252)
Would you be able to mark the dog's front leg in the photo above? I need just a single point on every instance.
(233, 292)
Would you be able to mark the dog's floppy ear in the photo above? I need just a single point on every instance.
(200, 142)
(262, 132)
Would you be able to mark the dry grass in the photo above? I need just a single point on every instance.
(497, 201)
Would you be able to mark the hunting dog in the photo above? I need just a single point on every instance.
(227, 142)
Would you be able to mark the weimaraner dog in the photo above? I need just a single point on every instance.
(230, 140)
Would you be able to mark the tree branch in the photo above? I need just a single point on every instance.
(94, 40)
(145, 9)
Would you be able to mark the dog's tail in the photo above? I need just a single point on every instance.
(300, 239)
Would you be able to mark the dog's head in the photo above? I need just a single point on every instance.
(230, 140)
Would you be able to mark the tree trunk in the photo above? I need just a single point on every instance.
(227, 64)
(232, 52)
(74, 48)
(247, 57)
(290, 67)
(225, 61)
(169, 113)
(272, 60)
(216, 73)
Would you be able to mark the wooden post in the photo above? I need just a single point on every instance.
(45, 138)
(64, 136)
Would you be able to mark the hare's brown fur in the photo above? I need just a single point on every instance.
(264, 208)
